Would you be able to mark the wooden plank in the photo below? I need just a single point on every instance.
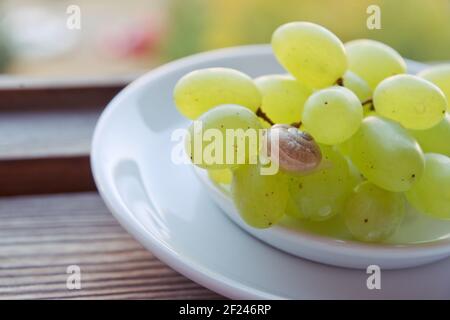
(46, 150)
(40, 236)
(45, 175)
(16, 92)
(29, 133)
(46, 128)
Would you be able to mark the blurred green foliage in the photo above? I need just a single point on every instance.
(187, 23)
(418, 29)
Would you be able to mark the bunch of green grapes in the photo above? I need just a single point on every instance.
(344, 133)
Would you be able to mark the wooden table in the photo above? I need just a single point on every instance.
(51, 217)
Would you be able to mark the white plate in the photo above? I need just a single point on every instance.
(167, 209)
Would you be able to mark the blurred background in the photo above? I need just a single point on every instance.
(121, 37)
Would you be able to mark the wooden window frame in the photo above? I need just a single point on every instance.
(40, 172)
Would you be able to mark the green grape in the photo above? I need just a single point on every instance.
(201, 90)
(386, 154)
(221, 176)
(292, 210)
(373, 214)
(343, 148)
(311, 53)
(431, 193)
(260, 199)
(332, 115)
(356, 84)
(283, 98)
(362, 90)
(368, 109)
(435, 139)
(212, 145)
(412, 101)
(440, 76)
(355, 175)
(373, 61)
(321, 194)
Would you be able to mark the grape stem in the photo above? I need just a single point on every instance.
(367, 101)
(340, 82)
(264, 116)
(370, 102)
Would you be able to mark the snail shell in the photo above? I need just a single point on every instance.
(295, 151)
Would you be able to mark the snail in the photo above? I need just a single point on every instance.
(295, 151)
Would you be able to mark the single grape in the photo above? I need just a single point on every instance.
(224, 137)
(440, 76)
(355, 175)
(292, 210)
(362, 90)
(343, 148)
(357, 85)
(201, 90)
(283, 98)
(373, 61)
(386, 154)
(221, 176)
(431, 193)
(369, 112)
(332, 115)
(311, 53)
(260, 199)
(321, 194)
(412, 101)
(373, 214)
(435, 139)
